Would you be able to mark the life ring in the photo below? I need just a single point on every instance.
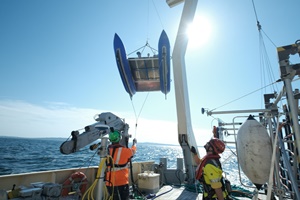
(75, 178)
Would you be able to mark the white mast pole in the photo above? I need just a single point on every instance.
(185, 132)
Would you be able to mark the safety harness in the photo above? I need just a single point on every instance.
(115, 166)
(199, 170)
(214, 160)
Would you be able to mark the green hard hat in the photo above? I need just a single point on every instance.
(114, 136)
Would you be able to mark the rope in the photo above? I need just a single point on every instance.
(89, 161)
(137, 116)
(90, 191)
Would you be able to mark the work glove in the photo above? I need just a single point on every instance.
(193, 150)
(134, 141)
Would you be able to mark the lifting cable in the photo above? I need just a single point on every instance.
(139, 52)
(154, 51)
(147, 43)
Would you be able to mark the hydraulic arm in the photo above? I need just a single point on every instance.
(105, 122)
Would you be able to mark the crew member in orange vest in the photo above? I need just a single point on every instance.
(117, 169)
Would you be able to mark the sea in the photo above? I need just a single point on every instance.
(22, 155)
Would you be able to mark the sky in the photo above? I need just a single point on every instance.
(58, 68)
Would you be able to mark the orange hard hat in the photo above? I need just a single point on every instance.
(218, 145)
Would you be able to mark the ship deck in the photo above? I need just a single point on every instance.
(181, 193)
(169, 192)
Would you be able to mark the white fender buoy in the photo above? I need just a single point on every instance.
(254, 150)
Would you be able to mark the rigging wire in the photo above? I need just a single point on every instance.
(269, 38)
(265, 63)
(158, 14)
(279, 80)
(154, 51)
(264, 59)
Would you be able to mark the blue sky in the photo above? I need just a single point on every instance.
(57, 64)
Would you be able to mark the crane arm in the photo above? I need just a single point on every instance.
(104, 123)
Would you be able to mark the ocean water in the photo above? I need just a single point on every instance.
(21, 155)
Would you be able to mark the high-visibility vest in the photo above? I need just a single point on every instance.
(118, 174)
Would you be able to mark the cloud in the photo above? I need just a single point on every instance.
(55, 119)
(155, 131)
(23, 119)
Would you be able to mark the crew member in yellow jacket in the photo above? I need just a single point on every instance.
(209, 171)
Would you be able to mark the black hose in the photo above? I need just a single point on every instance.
(131, 176)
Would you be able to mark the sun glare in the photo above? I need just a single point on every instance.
(199, 31)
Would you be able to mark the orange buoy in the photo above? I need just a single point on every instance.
(76, 182)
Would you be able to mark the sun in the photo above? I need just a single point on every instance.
(199, 32)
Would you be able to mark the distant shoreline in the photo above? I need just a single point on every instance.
(64, 139)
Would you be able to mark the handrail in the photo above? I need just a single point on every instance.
(289, 168)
